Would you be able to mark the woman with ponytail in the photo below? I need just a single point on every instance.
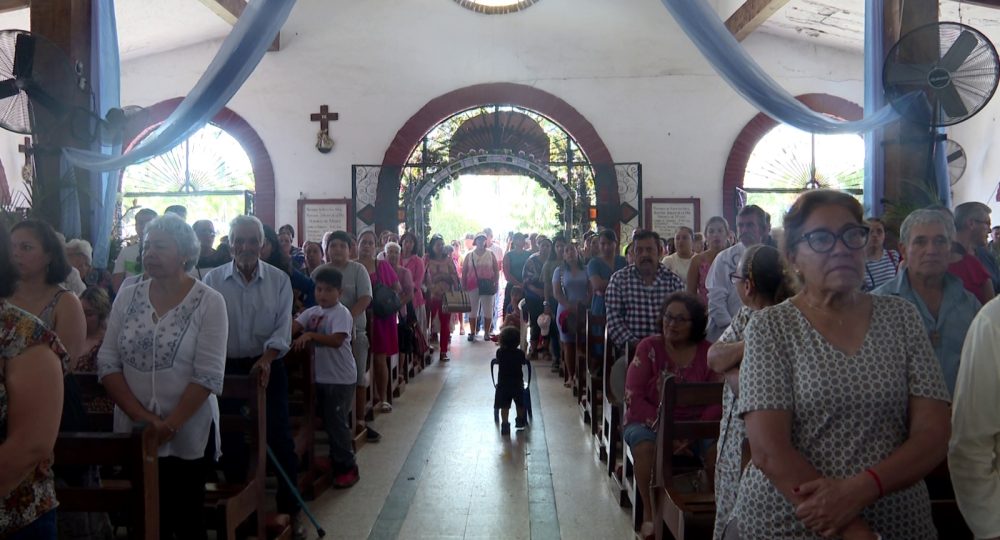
(760, 281)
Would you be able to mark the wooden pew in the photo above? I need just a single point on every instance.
(91, 389)
(611, 416)
(394, 388)
(590, 405)
(580, 381)
(137, 495)
(682, 502)
(302, 402)
(235, 503)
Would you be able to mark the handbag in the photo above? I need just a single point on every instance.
(385, 301)
(456, 302)
(487, 287)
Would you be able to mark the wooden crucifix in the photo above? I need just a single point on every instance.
(27, 149)
(323, 141)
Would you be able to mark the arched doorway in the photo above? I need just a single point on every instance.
(377, 188)
(734, 180)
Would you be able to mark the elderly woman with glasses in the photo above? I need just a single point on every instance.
(679, 350)
(844, 403)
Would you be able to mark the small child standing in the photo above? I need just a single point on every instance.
(510, 380)
(328, 325)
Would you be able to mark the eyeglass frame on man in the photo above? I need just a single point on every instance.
(842, 236)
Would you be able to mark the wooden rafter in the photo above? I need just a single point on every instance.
(230, 11)
(751, 15)
(12, 5)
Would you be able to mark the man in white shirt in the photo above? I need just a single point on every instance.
(259, 305)
(753, 225)
(975, 431)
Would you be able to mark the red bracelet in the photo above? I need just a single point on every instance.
(878, 482)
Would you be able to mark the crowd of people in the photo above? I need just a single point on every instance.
(850, 359)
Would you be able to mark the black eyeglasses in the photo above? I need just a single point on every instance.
(735, 277)
(823, 241)
(671, 319)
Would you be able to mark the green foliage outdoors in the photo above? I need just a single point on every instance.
(503, 203)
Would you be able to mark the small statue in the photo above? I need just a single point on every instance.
(323, 141)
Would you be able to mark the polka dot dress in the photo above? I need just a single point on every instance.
(848, 412)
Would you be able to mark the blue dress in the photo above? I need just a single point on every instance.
(576, 287)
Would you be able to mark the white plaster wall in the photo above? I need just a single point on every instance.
(624, 65)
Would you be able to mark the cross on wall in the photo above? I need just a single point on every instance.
(324, 117)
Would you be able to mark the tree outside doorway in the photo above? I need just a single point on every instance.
(505, 204)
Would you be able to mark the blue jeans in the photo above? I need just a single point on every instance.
(43, 528)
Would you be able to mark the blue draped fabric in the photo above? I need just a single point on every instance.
(105, 79)
(238, 56)
(69, 200)
(703, 26)
(874, 186)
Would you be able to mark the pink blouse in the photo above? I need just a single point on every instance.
(416, 267)
(642, 384)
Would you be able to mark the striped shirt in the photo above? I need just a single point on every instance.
(882, 270)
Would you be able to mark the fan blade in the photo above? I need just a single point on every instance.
(957, 154)
(959, 52)
(951, 102)
(907, 74)
(8, 88)
(24, 55)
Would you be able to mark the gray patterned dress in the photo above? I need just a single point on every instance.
(848, 412)
(732, 433)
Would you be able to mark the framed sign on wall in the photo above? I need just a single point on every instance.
(665, 216)
(319, 216)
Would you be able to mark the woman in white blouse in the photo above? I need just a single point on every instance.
(163, 362)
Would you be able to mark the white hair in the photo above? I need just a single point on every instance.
(188, 245)
(392, 245)
(83, 247)
(925, 216)
(246, 220)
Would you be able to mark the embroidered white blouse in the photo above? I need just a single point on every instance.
(159, 357)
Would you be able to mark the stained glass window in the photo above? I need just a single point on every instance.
(209, 173)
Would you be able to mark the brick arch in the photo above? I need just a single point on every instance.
(236, 126)
(756, 129)
(549, 105)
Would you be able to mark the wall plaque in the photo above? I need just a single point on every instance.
(665, 216)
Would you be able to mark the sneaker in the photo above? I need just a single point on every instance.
(372, 435)
(443, 357)
(384, 407)
(298, 528)
(347, 479)
(520, 423)
(505, 428)
(472, 337)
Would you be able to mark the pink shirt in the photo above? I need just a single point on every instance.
(642, 384)
(416, 267)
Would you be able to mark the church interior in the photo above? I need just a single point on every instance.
(358, 113)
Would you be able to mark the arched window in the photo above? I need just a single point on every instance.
(787, 162)
(210, 174)
(495, 7)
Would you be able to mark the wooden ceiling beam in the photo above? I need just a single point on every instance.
(751, 15)
(230, 11)
(13, 5)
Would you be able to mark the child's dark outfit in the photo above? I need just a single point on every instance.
(510, 381)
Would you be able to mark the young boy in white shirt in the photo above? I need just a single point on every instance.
(328, 325)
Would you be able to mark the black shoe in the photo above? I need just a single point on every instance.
(472, 337)
(505, 428)
(520, 423)
(372, 435)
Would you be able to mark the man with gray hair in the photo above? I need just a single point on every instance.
(945, 307)
(259, 304)
(972, 228)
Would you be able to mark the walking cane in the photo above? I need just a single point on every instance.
(295, 492)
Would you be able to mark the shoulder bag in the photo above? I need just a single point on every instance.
(487, 287)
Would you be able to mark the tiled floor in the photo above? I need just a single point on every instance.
(443, 470)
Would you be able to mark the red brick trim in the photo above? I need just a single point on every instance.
(754, 131)
(241, 130)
